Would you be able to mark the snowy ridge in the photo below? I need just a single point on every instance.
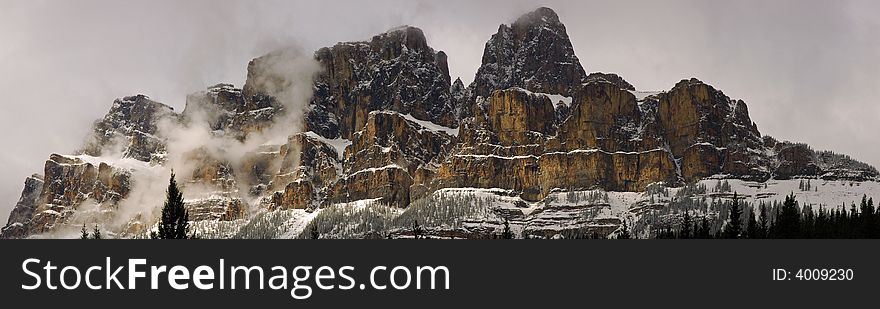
(431, 126)
(121, 163)
(423, 124)
(554, 98)
(376, 169)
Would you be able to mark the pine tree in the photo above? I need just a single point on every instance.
(85, 233)
(764, 227)
(624, 231)
(874, 230)
(174, 223)
(752, 228)
(417, 229)
(506, 234)
(685, 226)
(807, 222)
(96, 233)
(788, 221)
(315, 234)
(868, 224)
(705, 233)
(734, 224)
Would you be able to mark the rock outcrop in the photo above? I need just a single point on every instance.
(309, 168)
(227, 109)
(611, 78)
(790, 160)
(385, 158)
(534, 53)
(130, 127)
(21, 215)
(710, 132)
(396, 70)
(75, 181)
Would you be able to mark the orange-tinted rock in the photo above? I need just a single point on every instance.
(396, 71)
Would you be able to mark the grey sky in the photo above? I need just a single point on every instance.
(809, 70)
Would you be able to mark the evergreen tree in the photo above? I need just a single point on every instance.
(704, 232)
(624, 231)
(808, 224)
(851, 222)
(788, 223)
(314, 234)
(734, 224)
(868, 224)
(96, 233)
(874, 231)
(752, 228)
(416, 229)
(506, 234)
(85, 233)
(764, 225)
(685, 226)
(174, 223)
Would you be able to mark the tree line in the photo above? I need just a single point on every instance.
(787, 221)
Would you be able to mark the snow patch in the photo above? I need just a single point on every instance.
(337, 143)
(375, 169)
(554, 98)
(431, 126)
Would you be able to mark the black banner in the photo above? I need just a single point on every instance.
(490, 273)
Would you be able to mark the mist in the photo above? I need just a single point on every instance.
(807, 69)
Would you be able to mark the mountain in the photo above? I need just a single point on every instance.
(385, 138)
(396, 70)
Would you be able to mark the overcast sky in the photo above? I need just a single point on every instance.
(809, 70)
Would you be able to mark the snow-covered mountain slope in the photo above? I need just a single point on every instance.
(481, 213)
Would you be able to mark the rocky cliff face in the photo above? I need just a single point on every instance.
(20, 217)
(710, 132)
(76, 181)
(396, 70)
(230, 111)
(789, 160)
(532, 53)
(386, 124)
(130, 128)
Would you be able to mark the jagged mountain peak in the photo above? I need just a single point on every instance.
(222, 87)
(611, 78)
(396, 70)
(126, 106)
(687, 82)
(540, 17)
(534, 53)
(399, 39)
(131, 123)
